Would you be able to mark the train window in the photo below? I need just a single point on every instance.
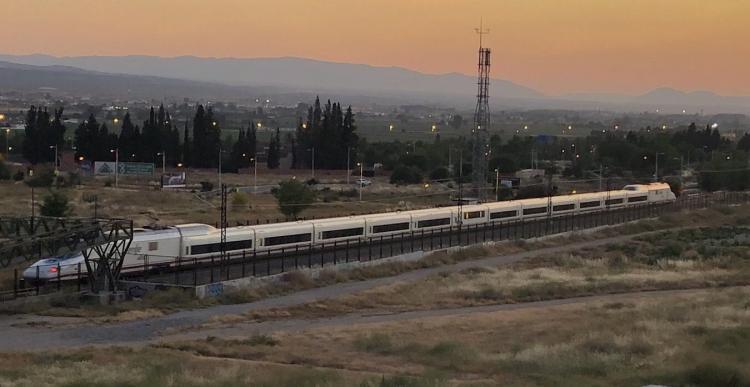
(610, 202)
(503, 214)
(390, 227)
(153, 246)
(589, 204)
(216, 247)
(286, 239)
(346, 232)
(433, 222)
(473, 214)
(564, 207)
(533, 211)
(635, 199)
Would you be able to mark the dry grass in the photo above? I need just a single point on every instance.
(708, 257)
(699, 339)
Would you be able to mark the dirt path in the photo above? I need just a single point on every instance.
(18, 337)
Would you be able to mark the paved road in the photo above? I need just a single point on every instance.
(20, 338)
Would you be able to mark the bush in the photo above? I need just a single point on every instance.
(239, 200)
(56, 204)
(4, 171)
(312, 181)
(43, 177)
(207, 186)
(406, 175)
(293, 197)
(19, 175)
(440, 173)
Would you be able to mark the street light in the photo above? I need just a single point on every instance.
(116, 120)
(255, 174)
(55, 148)
(116, 151)
(390, 127)
(163, 155)
(434, 127)
(7, 146)
(497, 182)
(360, 180)
(312, 172)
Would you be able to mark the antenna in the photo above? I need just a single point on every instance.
(481, 31)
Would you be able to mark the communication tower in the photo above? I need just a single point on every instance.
(480, 136)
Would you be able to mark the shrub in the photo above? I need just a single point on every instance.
(4, 171)
(19, 175)
(406, 175)
(44, 177)
(439, 173)
(207, 186)
(239, 199)
(56, 204)
(293, 197)
(375, 343)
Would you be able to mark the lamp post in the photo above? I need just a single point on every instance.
(312, 172)
(116, 151)
(56, 164)
(255, 174)
(656, 166)
(497, 182)
(348, 151)
(7, 144)
(163, 155)
(360, 165)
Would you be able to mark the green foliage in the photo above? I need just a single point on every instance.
(43, 177)
(4, 171)
(439, 173)
(239, 200)
(207, 186)
(331, 131)
(406, 175)
(19, 175)
(56, 204)
(293, 197)
(274, 155)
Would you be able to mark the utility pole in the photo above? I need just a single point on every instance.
(601, 174)
(116, 151)
(460, 187)
(220, 185)
(497, 181)
(348, 149)
(360, 165)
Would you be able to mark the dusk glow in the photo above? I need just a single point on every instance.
(552, 46)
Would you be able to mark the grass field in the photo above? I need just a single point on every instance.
(697, 339)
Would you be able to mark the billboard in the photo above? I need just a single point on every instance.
(124, 168)
(173, 180)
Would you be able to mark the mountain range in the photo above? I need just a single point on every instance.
(144, 76)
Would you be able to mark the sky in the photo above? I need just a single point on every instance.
(554, 46)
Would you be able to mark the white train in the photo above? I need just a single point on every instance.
(188, 241)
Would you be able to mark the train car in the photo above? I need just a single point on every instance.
(339, 229)
(433, 218)
(238, 239)
(504, 211)
(382, 225)
(474, 214)
(590, 202)
(282, 235)
(563, 205)
(534, 208)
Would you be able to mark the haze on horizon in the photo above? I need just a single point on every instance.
(622, 46)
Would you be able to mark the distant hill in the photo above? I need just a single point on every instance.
(292, 74)
(294, 79)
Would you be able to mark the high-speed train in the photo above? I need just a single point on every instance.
(184, 242)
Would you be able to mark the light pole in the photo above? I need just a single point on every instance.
(348, 150)
(656, 167)
(312, 172)
(360, 180)
(7, 144)
(55, 148)
(220, 152)
(116, 151)
(255, 174)
(163, 155)
(497, 182)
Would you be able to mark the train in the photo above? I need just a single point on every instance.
(168, 245)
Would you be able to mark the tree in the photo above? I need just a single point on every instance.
(293, 197)
(56, 204)
(272, 159)
(406, 175)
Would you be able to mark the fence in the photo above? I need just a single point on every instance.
(206, 270)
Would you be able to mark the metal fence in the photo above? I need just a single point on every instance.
(206, 270)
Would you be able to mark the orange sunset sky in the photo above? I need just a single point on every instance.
(555, 46)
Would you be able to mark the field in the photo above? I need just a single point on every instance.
(699, 338)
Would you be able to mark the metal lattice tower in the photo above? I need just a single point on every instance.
(480, 136)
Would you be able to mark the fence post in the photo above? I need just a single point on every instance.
(195, 271)
(347, 251)
(212, 269)
(282, 259)
(296, 257)
(335, 260)
(59, 279)
(177, 272)
(268, 262)
(380, 255)
(15, 283)
(37, 280)
(255, 261)
(309, 255)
